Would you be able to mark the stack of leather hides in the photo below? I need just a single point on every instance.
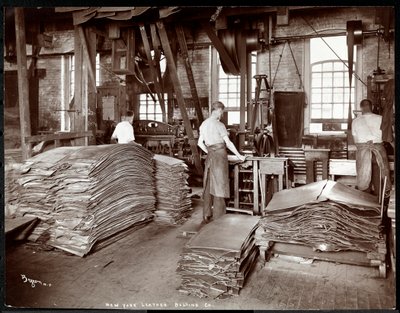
(173, 204)
(216, 261)
(11, 187)
(88, 195)
(326, 215)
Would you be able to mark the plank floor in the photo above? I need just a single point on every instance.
(138, 272)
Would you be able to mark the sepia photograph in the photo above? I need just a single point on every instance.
(199, 157)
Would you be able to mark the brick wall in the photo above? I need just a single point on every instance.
(50, 94)
(199, 60)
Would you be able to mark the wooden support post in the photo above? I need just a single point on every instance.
(249, 89)
(87, 56)
(236, 187)
(157, 52)
(91, 46)
(179, 95)
(256, 206)
(79, 98)
(153, 70)
(184, 53)
(243, 83)
(220, 47)
(33, 82)
(23, 87)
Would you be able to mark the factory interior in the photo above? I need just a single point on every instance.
(211, 157)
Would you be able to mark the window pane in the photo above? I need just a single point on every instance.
(315, 127)
(338, 79)
(232, 103)
(316, 80)
(317, 68)
(315, 113)
(328, 66)
(316, 90)
(158, 109)
(327, 96)
(326, 110)
(223, 87)
(316, 97)
(327, 79)
(339, 66)
(338, 96)
(233, 117)
(338, 110)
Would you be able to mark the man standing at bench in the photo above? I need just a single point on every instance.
(124, 130)
(214, 140)
(371, 158)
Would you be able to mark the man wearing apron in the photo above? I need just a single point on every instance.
(213, 141)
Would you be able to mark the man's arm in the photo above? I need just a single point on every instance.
(231, 146)
(114, 134)
(201, 144)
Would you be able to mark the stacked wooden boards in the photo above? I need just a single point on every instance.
(88, 195)
(216, 261)
(173, 204)
(326, 216)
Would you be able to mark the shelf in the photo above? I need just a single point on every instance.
(245, 171)
(246, 190)
(242, 203)
(240, 210)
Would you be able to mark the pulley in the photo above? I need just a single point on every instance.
(230, 38)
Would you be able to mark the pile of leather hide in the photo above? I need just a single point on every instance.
(87, 195)
(173, 204)
(216, 261)
(327, 216)
(11, 187)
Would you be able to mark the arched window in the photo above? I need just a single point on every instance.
(329, 85)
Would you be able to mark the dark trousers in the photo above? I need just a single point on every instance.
(375, 177)
(210, 201)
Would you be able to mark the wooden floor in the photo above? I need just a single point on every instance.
(139, 272)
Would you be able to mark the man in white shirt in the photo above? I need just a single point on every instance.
(124, 130)
(371, 158)
(214, 140)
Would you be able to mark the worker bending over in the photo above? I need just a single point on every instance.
(214, 140)
(371, 157)
(124, 130)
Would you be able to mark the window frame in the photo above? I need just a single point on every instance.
(153, 114)
(235, 79)
(309, 122)
(344, 87)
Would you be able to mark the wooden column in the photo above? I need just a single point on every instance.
(249, 89)
(184, 53)
(153, 71)
(243, 84)
(91, 40)
(179, 95)
(33, 81)
(78, 122)
(85, 82)
(23, 86)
